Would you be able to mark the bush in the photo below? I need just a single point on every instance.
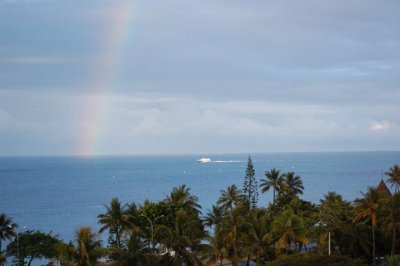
(392, 261)
(2, 259)
(315, 260)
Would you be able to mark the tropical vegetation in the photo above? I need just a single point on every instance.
(236, 229)
(7, 229)
(31, 245)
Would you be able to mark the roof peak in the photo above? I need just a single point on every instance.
(382, 187)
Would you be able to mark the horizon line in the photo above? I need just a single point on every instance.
(190, 153)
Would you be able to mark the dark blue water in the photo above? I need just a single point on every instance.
(61, 194)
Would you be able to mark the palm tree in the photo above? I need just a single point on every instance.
(332, 198)
(86, 251)
(230, 198)
(7, 228)
(368, 207)
(394, 177)
(214, 216)
(231, 232)
(114, 220)
(136, 251)
(356, 241)
(334, 211)
(292, 184)
(335, 214)
(274, 181)
(288, 229)
(131, 215)
(216, 250)
(185, 238)
(392, 207)
(88, 247)
(181, 198)
(257, 238)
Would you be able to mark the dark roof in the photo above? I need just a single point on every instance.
(383, 188)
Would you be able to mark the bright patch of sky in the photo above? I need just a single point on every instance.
(166, 77)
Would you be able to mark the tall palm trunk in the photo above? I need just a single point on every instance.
(273, 199)
(235, 259)
(393, 251)
(373, 244)
(258, 259)
(177, 260)
(236, 262)
(117, 238)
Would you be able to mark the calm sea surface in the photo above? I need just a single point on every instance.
(60, 194)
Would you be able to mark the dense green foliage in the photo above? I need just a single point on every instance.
(31, 245)
(86, 250)
(394, 177)
(274, 180)
(287, 231)
(392, 261)
(7, 229)
(114, 220)
(250, 185)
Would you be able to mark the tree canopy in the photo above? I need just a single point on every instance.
(172, 232)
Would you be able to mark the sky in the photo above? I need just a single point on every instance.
(120, 77)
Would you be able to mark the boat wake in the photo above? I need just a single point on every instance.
(230, 161)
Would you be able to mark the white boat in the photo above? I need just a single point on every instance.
(204, 160)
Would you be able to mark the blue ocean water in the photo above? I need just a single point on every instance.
(61, 194)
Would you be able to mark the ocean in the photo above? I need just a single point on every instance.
(61, 194)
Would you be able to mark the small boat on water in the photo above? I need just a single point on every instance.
(204, 160)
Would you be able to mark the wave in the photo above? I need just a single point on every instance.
(230, 161)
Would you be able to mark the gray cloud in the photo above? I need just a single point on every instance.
(201, 76)
(31, 60)
(161, 123)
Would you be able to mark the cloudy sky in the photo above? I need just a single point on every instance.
(200, 76)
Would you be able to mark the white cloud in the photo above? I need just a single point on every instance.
(382, 126)
(160, 123)
(191, 117)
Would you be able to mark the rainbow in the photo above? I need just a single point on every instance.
(92, 123)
